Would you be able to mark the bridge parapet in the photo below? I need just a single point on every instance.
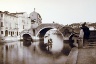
(50, 25)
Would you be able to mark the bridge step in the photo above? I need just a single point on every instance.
(91, 45)
(92, 40)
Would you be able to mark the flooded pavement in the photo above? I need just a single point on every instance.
(33, 52)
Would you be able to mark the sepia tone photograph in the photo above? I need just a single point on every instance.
(47, 31)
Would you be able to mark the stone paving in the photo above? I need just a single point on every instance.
(86, 56)
(72, 57)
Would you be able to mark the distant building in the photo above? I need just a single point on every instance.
(35, 19)
(75, 25)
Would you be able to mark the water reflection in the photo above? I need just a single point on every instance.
(27, 52)
(26, 43)
(53, 44)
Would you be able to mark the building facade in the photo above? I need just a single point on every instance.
(36, 19)
(8, 24)
(12, 24)
(24, 22)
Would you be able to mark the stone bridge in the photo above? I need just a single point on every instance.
(47, 26)
(41, 30)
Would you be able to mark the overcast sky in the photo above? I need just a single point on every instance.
(59, 11)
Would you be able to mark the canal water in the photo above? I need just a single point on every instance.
(19, 53)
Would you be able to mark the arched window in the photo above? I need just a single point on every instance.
(6, 33)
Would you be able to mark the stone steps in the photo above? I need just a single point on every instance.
(91, 45)
(92, 40)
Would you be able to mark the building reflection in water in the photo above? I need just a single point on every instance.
(33, 52)
(26, 43)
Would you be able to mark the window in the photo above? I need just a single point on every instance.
(13, 33)
(17, 33)
(1, 32)
(9, 32)
(23, 26)
(1, 24)
(1, 15)
(32, 21)
(34, 32)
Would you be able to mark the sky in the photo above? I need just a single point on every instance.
(59, 11)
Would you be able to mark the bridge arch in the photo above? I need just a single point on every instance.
(65, 31)
(43, 28)
(25, 34)
(27, 39)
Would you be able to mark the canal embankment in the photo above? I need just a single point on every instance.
(8, 39)
(72, 57)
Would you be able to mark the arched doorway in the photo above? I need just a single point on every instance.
(6, 32)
